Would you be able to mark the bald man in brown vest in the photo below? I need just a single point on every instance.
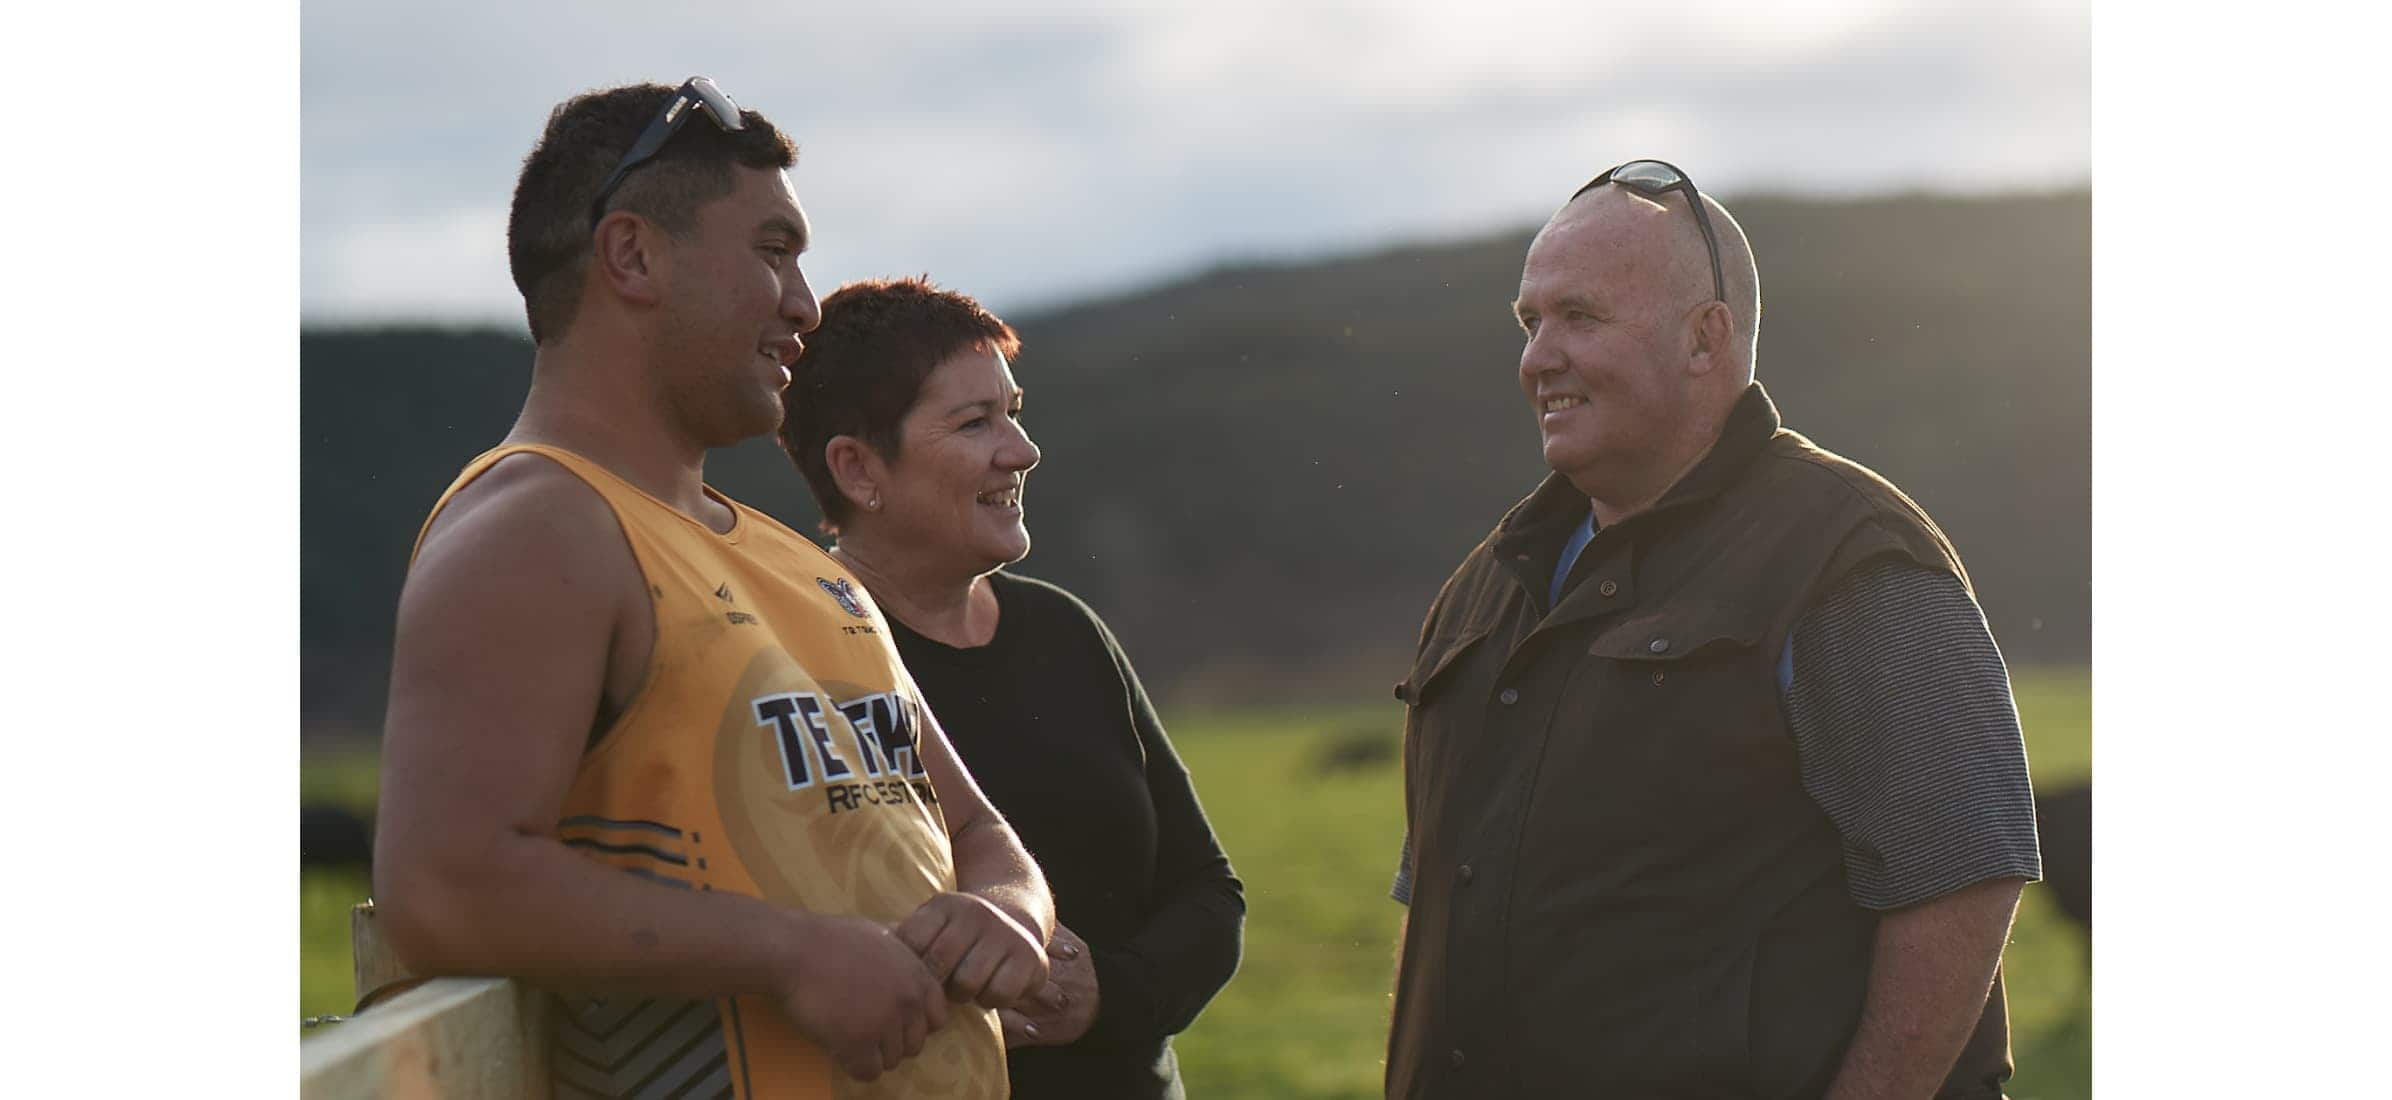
(1713, 782)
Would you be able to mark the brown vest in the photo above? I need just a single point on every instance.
(1620, 887)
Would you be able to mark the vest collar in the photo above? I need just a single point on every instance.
(1556, 505)
(1528, 542)
(1751, 423)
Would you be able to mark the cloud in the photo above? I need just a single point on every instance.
(384, 263)
(1033, 156)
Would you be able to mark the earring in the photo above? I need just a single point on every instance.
(872, 505)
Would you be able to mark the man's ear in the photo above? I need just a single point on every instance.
(1712, 329)
(627, 259)
(856, 468)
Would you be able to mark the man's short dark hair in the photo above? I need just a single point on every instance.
(548, 226)
(864, 366)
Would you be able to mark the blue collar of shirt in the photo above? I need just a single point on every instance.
(1569, 555)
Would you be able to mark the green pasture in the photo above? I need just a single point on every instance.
(1306, 1017)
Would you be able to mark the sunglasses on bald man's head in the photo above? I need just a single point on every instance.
(1655, 178)
(697, 95)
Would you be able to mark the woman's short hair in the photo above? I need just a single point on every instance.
(864, 366)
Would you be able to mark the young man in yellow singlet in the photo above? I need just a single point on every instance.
(648, 746)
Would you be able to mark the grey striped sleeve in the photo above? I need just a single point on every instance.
(1902, 718)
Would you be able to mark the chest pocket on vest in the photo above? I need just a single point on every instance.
(1432, 734)
(1686, 697)
(1437, 657)
(1664, 638)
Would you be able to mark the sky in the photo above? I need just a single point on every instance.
(2238, 701)
(1050, 153)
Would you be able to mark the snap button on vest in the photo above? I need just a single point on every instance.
(1463, 872)
(1660, 645)
(1509, 696)
(1455, 1058)
(1609, 588)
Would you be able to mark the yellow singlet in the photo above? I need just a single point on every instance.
(770, 751)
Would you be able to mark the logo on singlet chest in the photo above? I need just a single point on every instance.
(887, 767)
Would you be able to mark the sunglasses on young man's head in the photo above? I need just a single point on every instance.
(1655, 178)
(698, 93)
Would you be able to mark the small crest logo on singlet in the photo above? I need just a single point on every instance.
(737, 618)
(843, 592)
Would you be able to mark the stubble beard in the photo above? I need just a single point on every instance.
(734, 411)
(718, 402)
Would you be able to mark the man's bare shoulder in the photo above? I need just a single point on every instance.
(531, 528)
(523, 495)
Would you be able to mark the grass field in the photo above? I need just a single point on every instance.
(1306, 1017)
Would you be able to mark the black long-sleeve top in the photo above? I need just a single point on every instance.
(1052, 722)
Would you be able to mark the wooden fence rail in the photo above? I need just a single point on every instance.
(446, 1039)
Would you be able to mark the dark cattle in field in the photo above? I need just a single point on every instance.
(1361, 749)
(333, 837)
(2064, 823)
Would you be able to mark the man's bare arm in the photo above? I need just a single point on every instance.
(1929, 976)
(987, 940)
(506, 628)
